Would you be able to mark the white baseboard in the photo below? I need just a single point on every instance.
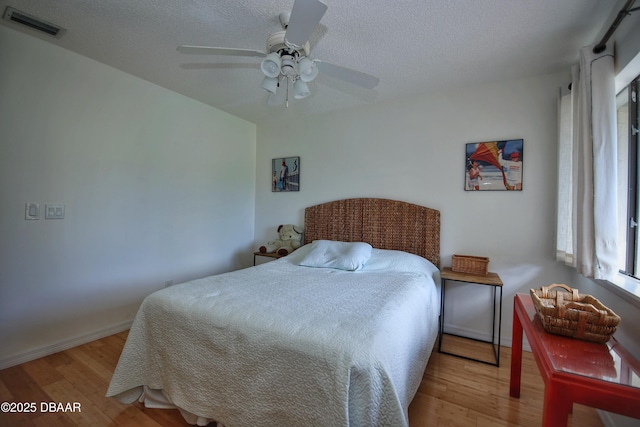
(616, 420)
(63, 345)
(605, 418)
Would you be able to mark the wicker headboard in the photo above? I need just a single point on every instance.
(383, 223)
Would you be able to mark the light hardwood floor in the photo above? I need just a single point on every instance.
(454, 392)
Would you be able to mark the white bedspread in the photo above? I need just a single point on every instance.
(285, 345)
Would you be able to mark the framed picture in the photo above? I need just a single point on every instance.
(285, 174)
(494, 165)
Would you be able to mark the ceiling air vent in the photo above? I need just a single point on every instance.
(30, 21)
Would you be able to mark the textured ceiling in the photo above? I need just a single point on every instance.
(413, 46)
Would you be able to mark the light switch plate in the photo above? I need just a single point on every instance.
(32, 211)
(53, 211)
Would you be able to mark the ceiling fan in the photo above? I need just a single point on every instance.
(287, 64)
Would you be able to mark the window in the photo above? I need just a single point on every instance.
(628, 184)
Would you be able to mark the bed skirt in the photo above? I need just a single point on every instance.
(158, 399)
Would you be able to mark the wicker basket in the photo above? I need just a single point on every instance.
(470, 264)
(573, 314)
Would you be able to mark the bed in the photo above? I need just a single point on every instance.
(338, 333)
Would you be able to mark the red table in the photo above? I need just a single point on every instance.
(603, 376)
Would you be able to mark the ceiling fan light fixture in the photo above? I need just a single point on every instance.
(289, 67)
(270, 65)
(286, 60)
(270, 84)
(308, 70)
(300, 90)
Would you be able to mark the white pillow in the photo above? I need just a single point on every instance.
(349, 256)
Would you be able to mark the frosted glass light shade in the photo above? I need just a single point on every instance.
(300, 89)
(307, 69)
(270, 65)
(270, 84)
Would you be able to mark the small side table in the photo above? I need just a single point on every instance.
(603, 376)
(274, 255)
(491, 279)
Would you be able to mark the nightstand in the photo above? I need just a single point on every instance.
(271, 255)
(491, 279)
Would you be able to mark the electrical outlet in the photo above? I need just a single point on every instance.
(168, 283)
(53, 211)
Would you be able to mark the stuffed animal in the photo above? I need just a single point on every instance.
(290, 239)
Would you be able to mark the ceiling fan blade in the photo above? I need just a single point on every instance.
(305, 17)
(207, 50)
(348, 75)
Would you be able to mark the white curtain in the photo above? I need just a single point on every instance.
(587, 168)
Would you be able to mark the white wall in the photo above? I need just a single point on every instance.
(415, 151)
(156, 186)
